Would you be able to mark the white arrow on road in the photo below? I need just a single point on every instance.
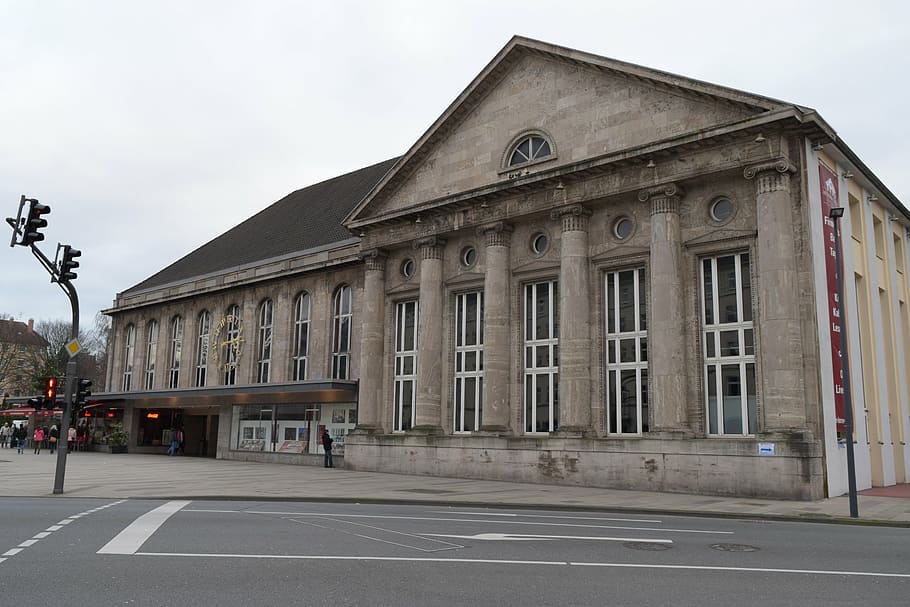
(522, 537)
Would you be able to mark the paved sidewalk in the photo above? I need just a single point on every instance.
(138, 476)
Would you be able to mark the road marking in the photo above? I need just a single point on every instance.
(567, 516)
(136, 533)
(439, 544)
(746, 569)
(40, 536)
(517, 562)
(463, 520)
(522, 537)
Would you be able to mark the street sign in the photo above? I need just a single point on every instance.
(73, 348)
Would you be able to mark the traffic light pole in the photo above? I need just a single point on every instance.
(62, 440)
(27, 230)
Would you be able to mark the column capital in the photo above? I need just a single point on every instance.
(781, 165)
(498, 234)
(430, 247)
(666, 190)
(374, 259)
(574, 217)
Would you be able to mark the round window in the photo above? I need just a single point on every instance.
(623, 228)
(407, 268)
(539, 243)
(722, 209)
(469, 256)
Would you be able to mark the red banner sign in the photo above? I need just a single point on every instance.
(828, 182)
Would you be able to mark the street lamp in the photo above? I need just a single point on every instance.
(836, 213)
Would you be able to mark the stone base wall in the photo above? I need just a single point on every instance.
(699, 466)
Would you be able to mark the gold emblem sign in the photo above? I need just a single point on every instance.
(226, 341)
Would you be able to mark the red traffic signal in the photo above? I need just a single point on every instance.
(50, 389)
(34, 222)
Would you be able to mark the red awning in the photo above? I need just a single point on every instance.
(23, 411)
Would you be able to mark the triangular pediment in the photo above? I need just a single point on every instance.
(587, 106)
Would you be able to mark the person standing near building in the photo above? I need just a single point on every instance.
(4, 436)
(19, 434)
(327, 445)
(38, 438)
(53, 437)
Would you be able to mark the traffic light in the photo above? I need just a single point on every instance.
(69, 264)
(34, 222)
(36, 402)
(83, 392)
(50, 392)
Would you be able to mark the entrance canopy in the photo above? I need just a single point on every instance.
(26, 411)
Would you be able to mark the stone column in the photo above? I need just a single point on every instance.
(666, 317)
(496, 329)
(370, 414)
(429, 337)
(574, 322)
(778, 320)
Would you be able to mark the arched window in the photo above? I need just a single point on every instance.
(151, 353)
(264, 361)
(341, 333)
(204, 327)
(129, 352)
(173, 376)
(532, 147)
(301, 336)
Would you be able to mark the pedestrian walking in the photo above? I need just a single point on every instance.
(38, 438)
(5, 435)
(71, 439)
(175, 443)
(19, 434)
(327, 445)
(53, 437)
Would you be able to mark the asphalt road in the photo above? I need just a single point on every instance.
(76, 552)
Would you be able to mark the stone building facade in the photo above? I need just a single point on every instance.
(584, 272)
(22, 350)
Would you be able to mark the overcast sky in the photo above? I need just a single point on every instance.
(150, 127)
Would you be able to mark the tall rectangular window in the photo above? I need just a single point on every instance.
(468, 361)
(541, 357)
(405, 365)
(301, 336)
(151, 353)
(729, 345)
(129, 353)
(341, 334)
(230, 347)
(202, 348)
(264, 360)
(173, 375)
(626, 352)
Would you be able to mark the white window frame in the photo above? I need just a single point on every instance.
(129, 354)
(202, 347)
(302, 307)
(151, 353)
(468, 370)
(342, 319)
(405, 384)
(173, 380)
(532, 348)
(720, 357)
(618, 339)
(264, 360)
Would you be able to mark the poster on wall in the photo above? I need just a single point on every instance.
(828, 183)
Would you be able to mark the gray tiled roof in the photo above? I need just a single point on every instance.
(305, 219)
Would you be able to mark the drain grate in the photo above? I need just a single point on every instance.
(734, 547)
(647, 546)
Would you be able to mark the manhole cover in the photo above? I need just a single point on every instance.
(647, 546)
(734, 547)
